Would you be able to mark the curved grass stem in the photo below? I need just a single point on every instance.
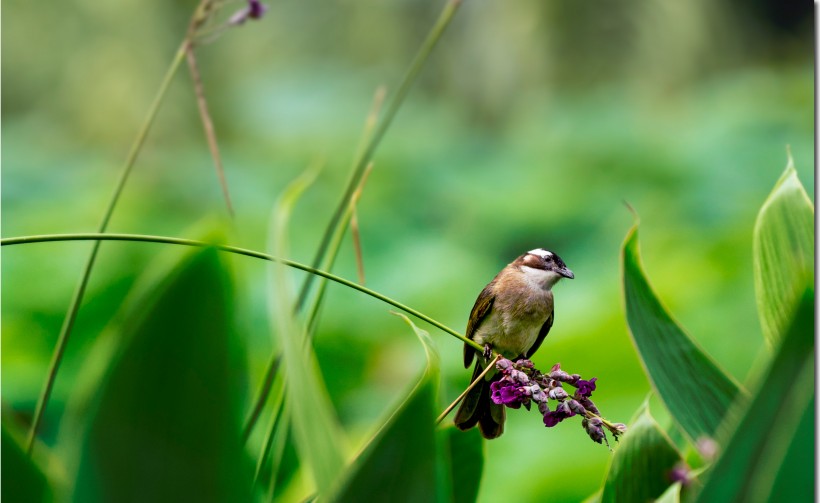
(239, 251)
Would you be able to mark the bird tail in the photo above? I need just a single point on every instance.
(478, 408)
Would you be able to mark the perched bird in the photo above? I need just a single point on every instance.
(512, 315)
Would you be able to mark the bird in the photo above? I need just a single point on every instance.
(512, 316)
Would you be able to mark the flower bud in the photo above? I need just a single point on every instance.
(576, 407)
(558, 394)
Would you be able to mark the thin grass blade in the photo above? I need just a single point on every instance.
(317, 434)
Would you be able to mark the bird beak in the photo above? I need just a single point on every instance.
(565, 272)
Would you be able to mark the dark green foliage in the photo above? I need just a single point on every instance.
(164, 422)
(399, 463)
(22, 479)
(466, 462)
(772, 445)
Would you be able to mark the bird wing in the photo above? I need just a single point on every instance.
(542, 334)
(482, 306)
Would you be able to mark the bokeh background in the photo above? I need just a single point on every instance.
(531, 125)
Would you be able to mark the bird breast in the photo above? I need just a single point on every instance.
(516, 318)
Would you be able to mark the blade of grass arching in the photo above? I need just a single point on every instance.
(335, 247)
(771, 445)
(640, 468)
(363, 160)
(141, 238)
(399, 455)
(317, 434)
(273, 364)
(783, 253)
(697, 392)
(313, 316)
(208, 125)
(79, 292)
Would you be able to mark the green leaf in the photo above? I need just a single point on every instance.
(783, 253)
(641, 466)
(22, 479)
(401, 456)
(772, 445)
(466, 462)
(317, 434)
(691, 385)
(164, 421)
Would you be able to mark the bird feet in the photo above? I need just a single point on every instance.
(488, 351)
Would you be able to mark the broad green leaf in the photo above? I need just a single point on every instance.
(772, 445)
(317, 434)
(398, 464)
(164, 422)
(641, 466)
(466, 462)
(783, 253)
(691, 385)
(22, 479)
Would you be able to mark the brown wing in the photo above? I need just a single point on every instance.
(542, 334)
(482, 306)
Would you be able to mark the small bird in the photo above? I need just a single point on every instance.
(512, 315)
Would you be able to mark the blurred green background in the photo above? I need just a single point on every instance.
(530, 126)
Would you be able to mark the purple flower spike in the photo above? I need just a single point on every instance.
(585, 388)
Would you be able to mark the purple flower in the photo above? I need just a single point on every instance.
(503, 364)
(594, 430)
(681, 473)
(576, 407)
(519, 377)
(585, 388)
(254, 10)
(551, 418)
(507, 393)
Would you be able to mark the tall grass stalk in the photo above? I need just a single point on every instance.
(76, 299)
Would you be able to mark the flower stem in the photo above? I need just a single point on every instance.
(239, 251)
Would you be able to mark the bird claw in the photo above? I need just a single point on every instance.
(488, 351)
